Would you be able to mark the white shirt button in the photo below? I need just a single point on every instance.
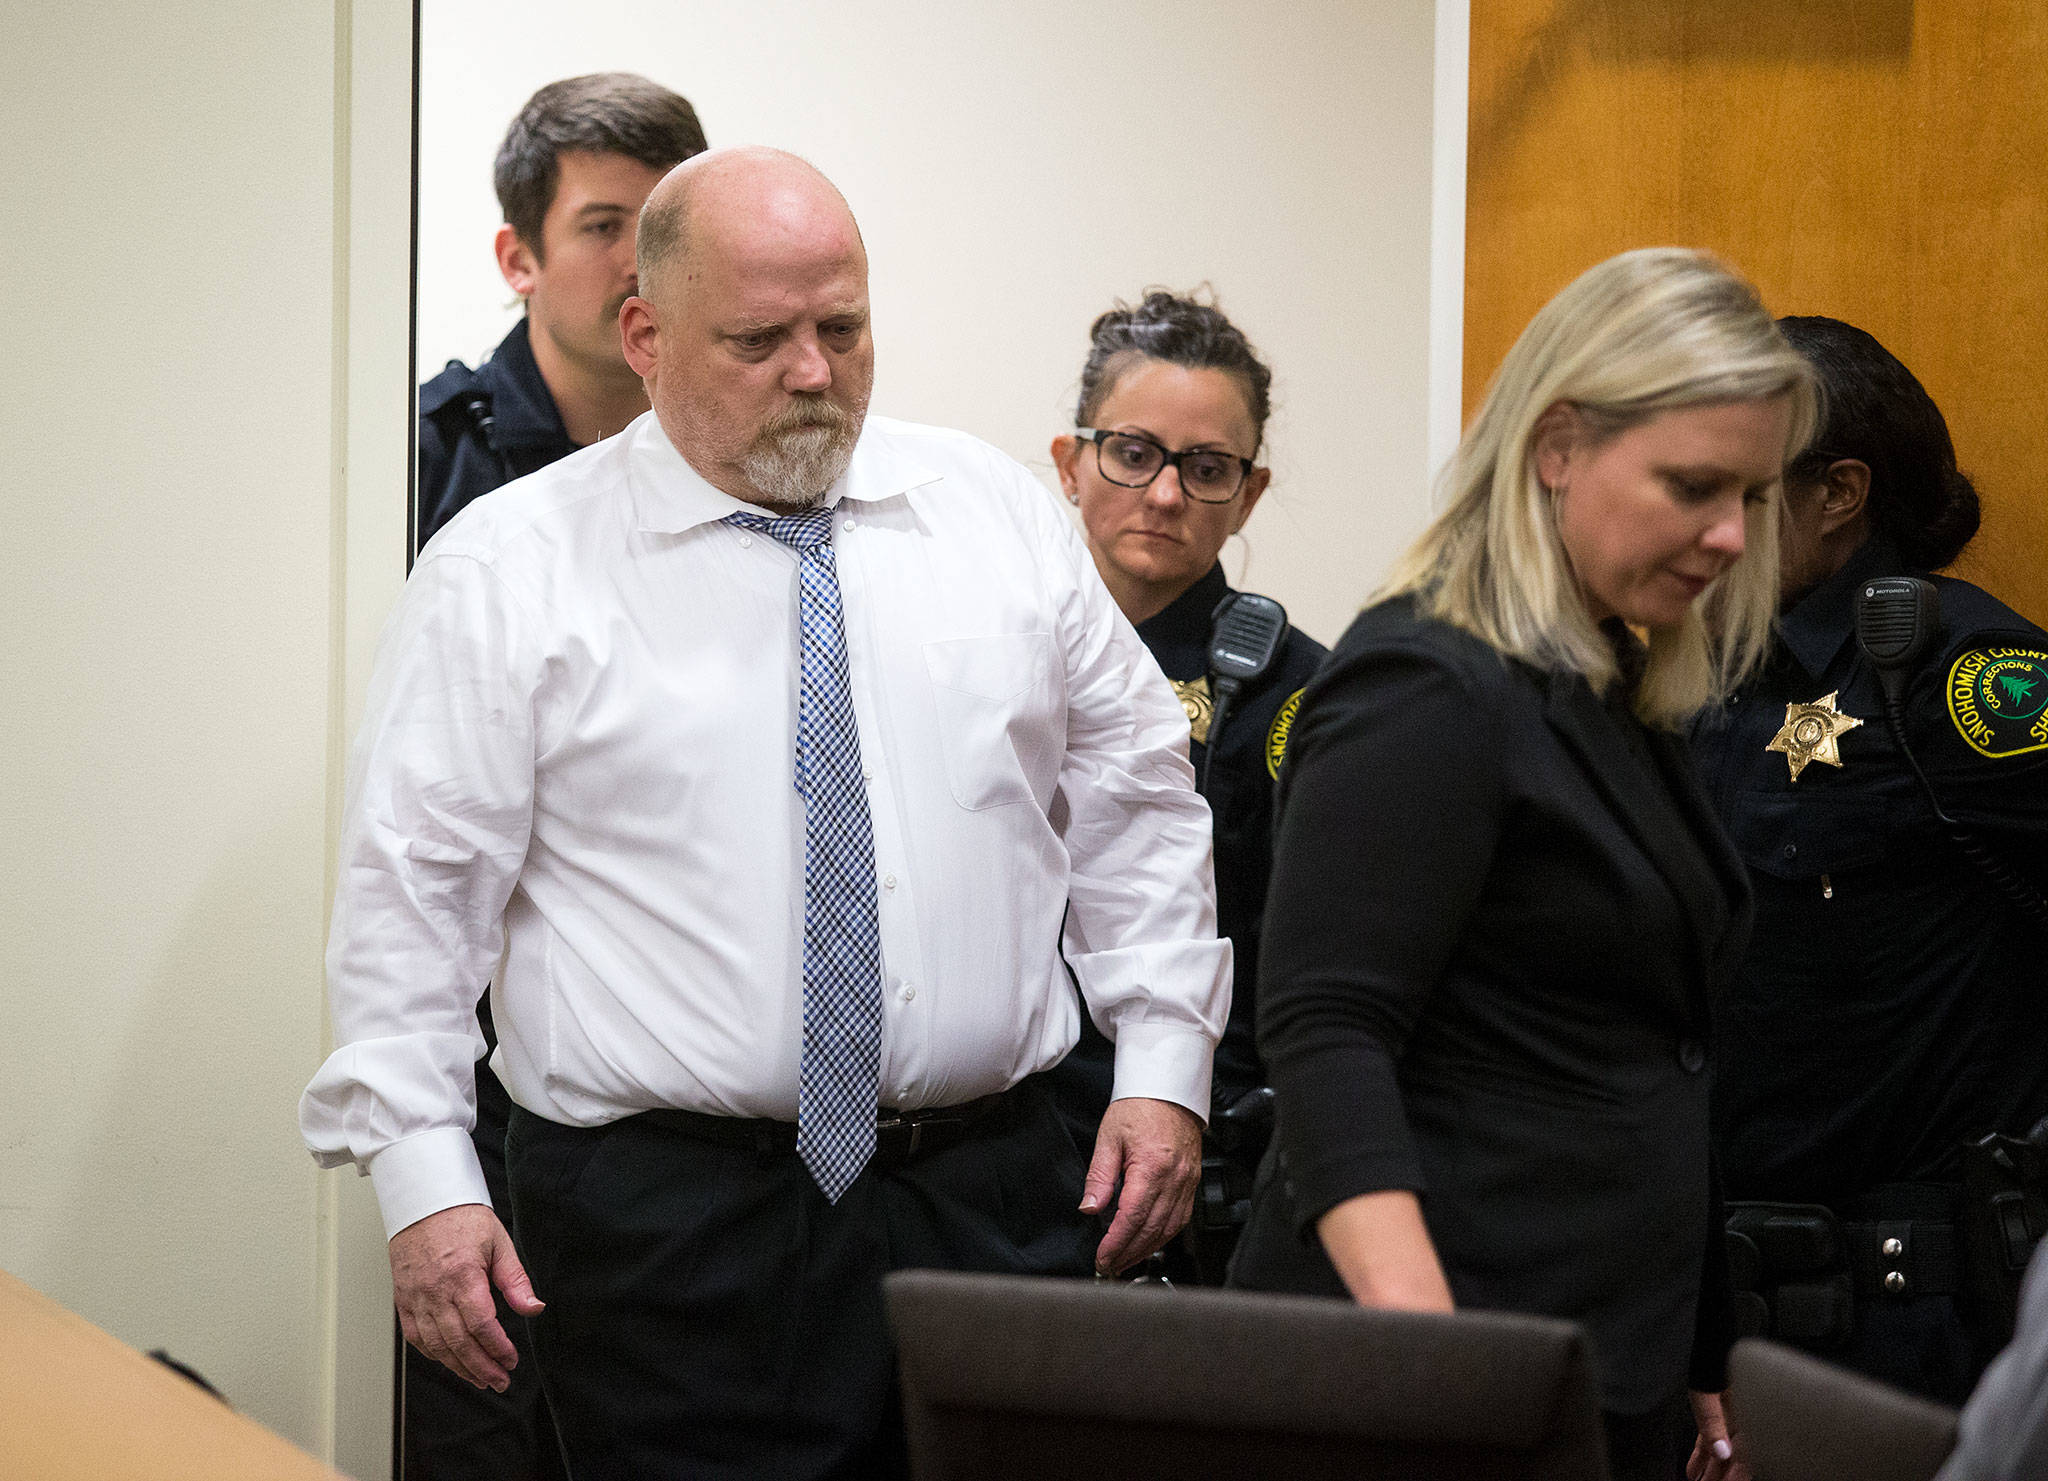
(909, 991)
(866, 774)
(846, 524)
(745, 541)
(888, 881)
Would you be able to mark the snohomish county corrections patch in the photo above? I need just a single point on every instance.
(1998, 698)
(1277, 733)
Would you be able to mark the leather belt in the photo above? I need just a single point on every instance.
(900, 1136)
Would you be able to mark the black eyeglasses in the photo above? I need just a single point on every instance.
(1130, 461)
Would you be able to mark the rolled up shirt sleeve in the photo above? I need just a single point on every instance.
(436, 825)
(1141, 923)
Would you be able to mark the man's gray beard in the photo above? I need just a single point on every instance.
(795, 467)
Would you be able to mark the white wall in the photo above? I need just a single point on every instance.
(190, 298)
(1017, 167)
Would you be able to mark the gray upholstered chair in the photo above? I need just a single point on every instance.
(1009, 1377)
(1797, 1418)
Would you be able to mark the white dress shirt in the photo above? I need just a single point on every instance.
(574, 782)
(2002, 1433)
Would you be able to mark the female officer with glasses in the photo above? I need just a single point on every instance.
(1163, 467)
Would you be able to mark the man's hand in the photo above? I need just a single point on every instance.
(442, 1271)
(1155, 1148)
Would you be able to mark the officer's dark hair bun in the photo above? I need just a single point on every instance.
(1951, 526)
(1876, 411)
(1186, 329)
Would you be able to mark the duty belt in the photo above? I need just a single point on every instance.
(1904, 1240)
(1799, 1270)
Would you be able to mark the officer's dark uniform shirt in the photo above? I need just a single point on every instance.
(1892, 1004)
(459, 460)
(1240, 794)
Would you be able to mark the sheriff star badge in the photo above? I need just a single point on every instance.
(1810, 732)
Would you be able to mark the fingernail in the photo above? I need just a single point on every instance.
(1089, 1205)
(1724, 1450)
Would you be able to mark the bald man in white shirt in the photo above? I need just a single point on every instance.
(766, 744)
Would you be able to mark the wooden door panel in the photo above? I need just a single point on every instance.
(1882, 161)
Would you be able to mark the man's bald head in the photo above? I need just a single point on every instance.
(736, 199)
(750, 330)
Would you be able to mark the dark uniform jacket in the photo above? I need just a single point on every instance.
(460, 456)
(1892, 1004)
(1500, 907)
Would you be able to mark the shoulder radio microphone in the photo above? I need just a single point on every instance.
(1245, 632)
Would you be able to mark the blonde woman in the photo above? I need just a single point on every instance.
(1500, 907)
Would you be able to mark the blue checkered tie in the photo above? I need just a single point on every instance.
(842, 1053)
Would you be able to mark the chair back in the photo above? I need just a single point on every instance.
(1006, 1376)
(1797, 1418)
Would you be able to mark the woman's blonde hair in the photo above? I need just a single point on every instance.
(1646, 332)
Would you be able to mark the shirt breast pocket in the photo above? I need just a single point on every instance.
(1792, 835)
(997, 717)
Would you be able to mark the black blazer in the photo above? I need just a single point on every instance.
(1500, 907)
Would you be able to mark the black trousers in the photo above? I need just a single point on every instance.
(1653, 1446)
(709, 1314)
(453, 1431)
